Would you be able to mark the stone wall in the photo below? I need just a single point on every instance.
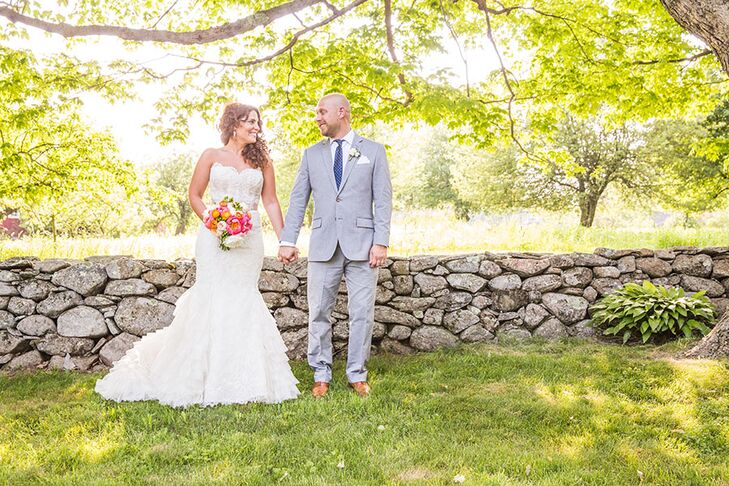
(86, 314)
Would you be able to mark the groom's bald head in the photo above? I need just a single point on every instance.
(333, 115)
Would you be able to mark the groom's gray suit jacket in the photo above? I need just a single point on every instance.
(357, 215)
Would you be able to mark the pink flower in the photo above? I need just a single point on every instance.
(234, 226)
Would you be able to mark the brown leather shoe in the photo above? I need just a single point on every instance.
(362, 388)
(320, 389)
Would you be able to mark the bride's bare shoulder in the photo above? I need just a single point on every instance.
(209, 155)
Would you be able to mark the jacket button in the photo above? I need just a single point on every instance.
(339, 199)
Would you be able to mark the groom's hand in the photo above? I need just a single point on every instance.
(378, 255)
(288, 254)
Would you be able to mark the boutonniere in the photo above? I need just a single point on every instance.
(353, 153)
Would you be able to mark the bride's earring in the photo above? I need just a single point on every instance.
(235, 132)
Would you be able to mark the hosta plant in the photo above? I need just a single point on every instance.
(652, 311)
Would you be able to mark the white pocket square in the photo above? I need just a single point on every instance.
(363, 160)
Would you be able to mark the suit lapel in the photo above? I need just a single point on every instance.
(350, 162)
(326, 158)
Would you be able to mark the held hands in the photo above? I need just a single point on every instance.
(288, 254)
(378, 255)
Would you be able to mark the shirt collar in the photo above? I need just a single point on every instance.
(348, 138)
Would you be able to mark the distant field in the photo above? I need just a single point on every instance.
(419, 233)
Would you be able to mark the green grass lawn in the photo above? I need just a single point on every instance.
(539, 413)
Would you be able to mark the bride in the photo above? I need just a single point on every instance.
(223, 345)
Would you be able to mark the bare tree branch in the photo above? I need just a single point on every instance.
(164, 14)
(220, 32)
(391, 49)
(705, 52)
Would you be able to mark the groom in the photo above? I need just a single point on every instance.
(350, 232)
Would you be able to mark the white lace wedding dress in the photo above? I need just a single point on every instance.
(223, 345)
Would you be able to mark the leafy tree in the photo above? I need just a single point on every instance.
(166, 186)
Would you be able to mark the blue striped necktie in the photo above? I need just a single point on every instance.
(338, 162)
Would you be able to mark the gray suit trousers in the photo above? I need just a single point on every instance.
(322, 288)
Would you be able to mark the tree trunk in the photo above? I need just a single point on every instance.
(715, 344)
(53, 226)
(706, 19)
(588, 206)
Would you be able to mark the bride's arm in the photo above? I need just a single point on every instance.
(270, 199)
(199, 182)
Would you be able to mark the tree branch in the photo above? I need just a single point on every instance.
(391, 48)
(705, 52)
(220, 32)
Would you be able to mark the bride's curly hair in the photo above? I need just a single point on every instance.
(255, 153)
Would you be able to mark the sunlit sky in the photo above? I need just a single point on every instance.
(126, 119)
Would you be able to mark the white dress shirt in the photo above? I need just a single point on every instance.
(346, 145)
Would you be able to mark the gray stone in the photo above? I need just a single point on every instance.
(300, 301)
(715, 250)
(590, 294)
(611, 254)
(273, 300)
(561, 261)
(141, 315)
(466, 281)
(61, 345)
(605, 286)
(392, 346)
(36, 325)
(126, 288)
(582, 329)
(453, 300)
(695, 265)
(400, 267)
(626, 264)
(277, 282)
(653, 267)
(58, 302)
(433, 317)
(340, 331)
(296, 343)
(524, 267)
(272, 264)
(378, 330)
(412, 304)
(420, 263)
(82, 321)
(505, 282)
(509, 332)
(400, 333)
(35, 289)
(123, 268)
(460, 320)
(508, 316)
(481, 301)
(589, 260)
(26, 361)
(84, 363)
(534, 314)
(61, 363)
(577, 277)
(85, 278)
(510, 300)
(161, 277)
(4, 302)
(606, 272)
(7, 290)
(721, 268)
(391, 316)
(694, 284)
(117, 347)
(18, 262)
(10, 344)
(20, 306)
(542, 283)
(430, 284)
(383, 275)
(551, 329)
(298, 268)
(189, 278)
(51, 266)
(403, 284)
(721, 304)
(567, 308)
(383, 295)
(476, 334)
(430, 338)
(7, 320)
(171, 294)
(665, 254)
(489, 269)
(469, 264)
(290, 318)
(98, 301)
(7, 276)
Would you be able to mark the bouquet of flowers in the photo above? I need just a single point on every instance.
(230, 221)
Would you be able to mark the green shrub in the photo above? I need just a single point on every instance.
(653, 311)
